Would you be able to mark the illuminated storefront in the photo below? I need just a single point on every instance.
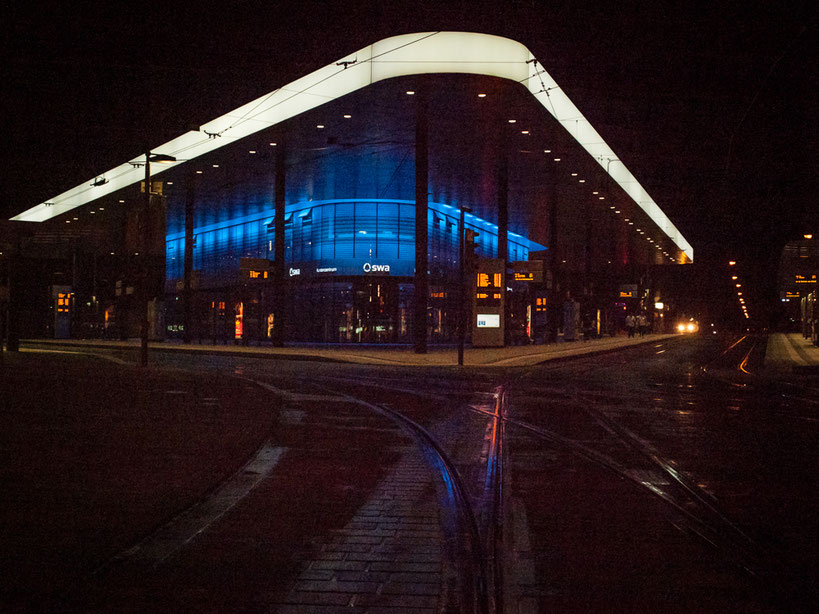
(350, 267)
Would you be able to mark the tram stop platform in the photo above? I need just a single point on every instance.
(791, 352)
(404, 355)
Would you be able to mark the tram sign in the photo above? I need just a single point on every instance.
(805, 279)
(527, 270)
(488, 304)
(628, 291)
(255, 269)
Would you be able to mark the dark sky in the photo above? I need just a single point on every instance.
(712, 106)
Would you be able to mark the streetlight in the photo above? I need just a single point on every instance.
(143, 329)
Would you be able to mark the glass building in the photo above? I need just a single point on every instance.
(358, 158)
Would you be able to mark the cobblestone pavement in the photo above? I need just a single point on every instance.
(387, 558)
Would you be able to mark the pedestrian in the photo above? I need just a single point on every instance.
(642, 323)
(630, 324)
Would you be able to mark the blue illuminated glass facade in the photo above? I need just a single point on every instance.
(350, 266)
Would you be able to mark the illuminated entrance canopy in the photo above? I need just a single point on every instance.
(409, 54)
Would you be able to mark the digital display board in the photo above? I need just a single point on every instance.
(488, 320)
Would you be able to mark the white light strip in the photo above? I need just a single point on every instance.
(408, 54)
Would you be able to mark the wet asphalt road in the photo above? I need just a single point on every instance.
(673, 477)
(669, 477)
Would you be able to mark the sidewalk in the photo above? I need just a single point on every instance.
(791, 352)
(513, 356)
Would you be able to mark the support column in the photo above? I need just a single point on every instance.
(279, 289)
(187, 298)
(553, 308)
(503, 228)
(421, 207)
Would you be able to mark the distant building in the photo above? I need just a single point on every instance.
(798, 273)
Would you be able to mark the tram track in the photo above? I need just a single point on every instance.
(480, 532)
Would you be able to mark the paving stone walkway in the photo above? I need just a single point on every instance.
(388, 558)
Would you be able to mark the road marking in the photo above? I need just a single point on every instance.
(295, 396)
(184, 528)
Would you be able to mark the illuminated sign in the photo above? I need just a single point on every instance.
(804, 279)
(294, 272)
(488, 320)
(540, 304)
(63, 302)
(659, 306)
(489, 288)
(257, 274)
(327, 269)
(624, 294)
(789, 294)
(527, 270)
(376, 268)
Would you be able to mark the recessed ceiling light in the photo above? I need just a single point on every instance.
(601, 198)
(319, 126)
(547, 151)
(252, 151)
(272, 144)
(481, 95)
(348, 116)
(557, 159)
(122, 201)
(199, 172)
(410, 93)
(169, 182)
(512, 121)
(582, 181)
(524, 132)
(102, 208)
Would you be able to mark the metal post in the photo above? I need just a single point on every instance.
(143, 227)
(462, 310)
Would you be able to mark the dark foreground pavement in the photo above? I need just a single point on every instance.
(128, 490)
(95, 455)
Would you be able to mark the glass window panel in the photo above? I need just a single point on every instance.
(365, 230)
(388, 230)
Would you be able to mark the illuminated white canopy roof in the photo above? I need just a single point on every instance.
(408, 54)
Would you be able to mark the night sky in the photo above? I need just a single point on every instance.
(712, 107)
